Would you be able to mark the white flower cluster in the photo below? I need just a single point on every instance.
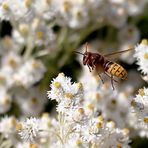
(17, 78)
(139, 105)
(66, 94)
(74, 127)
(89, 114)
(101, 99)
(35, 33)
(30, 129)
(75, 14)
(139, 116)
(142, 56)
(7, 126)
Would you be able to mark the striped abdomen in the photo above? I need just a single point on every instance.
(115, 70)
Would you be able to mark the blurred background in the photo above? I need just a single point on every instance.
(38, 40)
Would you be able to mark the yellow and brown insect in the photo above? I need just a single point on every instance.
(102, 64)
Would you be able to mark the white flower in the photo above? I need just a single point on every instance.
(105, 134)
(5, 10)
(117, 138)
(142, 56)
(12, 10)
(140, 127)
(25, 145)
(7, 45)
(50, 127)
(76, 141)
(75, 14)
(11, 62)
(129, 34)
(29, 73)
(101, 99)
(8, 126)
(47, 9)
(5, 101)
(62, 90)
(139, 107)
(145, 78)
(140, 104)
(112, 108)
(6, 80)
(78, 18)
(116, 15)
(127, 57)
(135, 7)
(43, 34)
(5, 142)
(30, 129)
(36, 32)
(31, 101)
(69, 97)
(18, 38)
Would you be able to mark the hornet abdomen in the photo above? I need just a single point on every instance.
(115, 70)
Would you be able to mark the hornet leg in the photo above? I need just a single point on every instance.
(101, 78)
(112, 82)
(110, 77)
(89, 68)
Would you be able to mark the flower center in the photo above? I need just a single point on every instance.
(146, 119)
(144, 42)
(141, 92)
(146, 55)
(5, 7)
(57, 84)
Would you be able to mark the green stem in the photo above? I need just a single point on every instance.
(29, 47)
(0, 29)
(61, 132)
(62, 37)
(86, 32)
